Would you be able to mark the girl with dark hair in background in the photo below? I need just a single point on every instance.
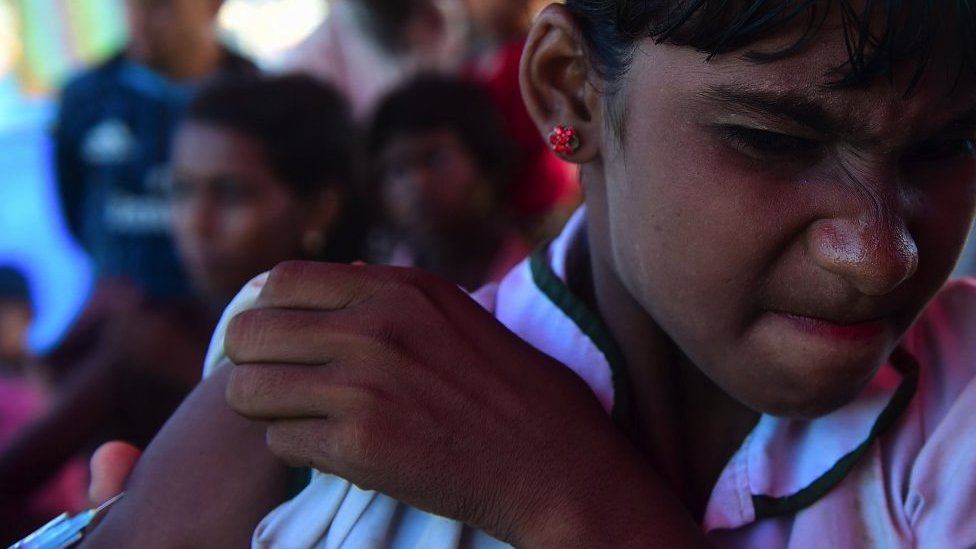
(443, 169)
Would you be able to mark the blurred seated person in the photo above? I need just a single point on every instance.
(113, 133)
(444, 169)
(366, 47)
(23, 398)
(16, 317)
(263, 171)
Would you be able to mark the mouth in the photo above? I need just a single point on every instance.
(856, 330)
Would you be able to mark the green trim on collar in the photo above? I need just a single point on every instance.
(296, 479)
(591, 325)
(768, 507)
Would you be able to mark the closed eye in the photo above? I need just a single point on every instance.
(941, 150)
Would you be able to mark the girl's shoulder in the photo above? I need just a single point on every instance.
(942, 341)
(939, 499)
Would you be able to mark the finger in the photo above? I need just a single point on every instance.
(111, 465)
(294, 336)
(352, 449)
(320, 285)
(274, 392)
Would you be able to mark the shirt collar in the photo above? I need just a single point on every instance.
(785, 465)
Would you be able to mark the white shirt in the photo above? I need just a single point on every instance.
(894, 468)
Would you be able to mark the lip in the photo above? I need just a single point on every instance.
(853, 331)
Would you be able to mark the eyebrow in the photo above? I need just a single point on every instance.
(789, 106)
(795, 107)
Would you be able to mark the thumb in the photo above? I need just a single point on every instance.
(110, 467)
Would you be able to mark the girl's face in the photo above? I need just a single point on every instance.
(232, 217)
(782, 234)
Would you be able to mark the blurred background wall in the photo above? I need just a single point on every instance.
(42, 42)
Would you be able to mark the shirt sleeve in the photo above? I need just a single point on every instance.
(244, 299)
(942, 500)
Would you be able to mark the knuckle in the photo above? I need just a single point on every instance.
(247, 387)
(352, 445)
(241, 329)
(417, 280)
(287, 277)
(289, 444)
(383, 332)
(411, 291)
(284, 271)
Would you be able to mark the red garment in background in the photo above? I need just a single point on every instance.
(542, 180)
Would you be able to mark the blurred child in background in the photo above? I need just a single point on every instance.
(444, 169)
(24, 396)
(16, 316)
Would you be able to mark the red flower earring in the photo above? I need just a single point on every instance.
(564, 140)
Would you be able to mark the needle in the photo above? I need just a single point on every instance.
(64, 530)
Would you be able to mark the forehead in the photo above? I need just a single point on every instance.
(897, 103)
(200, 146)
(407, 143)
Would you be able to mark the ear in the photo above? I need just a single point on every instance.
(554, 75)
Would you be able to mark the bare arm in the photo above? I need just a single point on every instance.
(206, 480)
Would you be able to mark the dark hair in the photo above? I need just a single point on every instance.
(305, 126)
(308, 134)
(430, 102)
(908, 31)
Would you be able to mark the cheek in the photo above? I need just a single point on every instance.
(683, 217)
(946, 217)
(696, 235)
(398, 198)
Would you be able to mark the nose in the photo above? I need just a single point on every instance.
(421, 179)
(874, 254)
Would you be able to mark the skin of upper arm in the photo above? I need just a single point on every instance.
(206, 480)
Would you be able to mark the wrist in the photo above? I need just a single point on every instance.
(590, 515)
(613, 501)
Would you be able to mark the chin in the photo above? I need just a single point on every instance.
(812, 396)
